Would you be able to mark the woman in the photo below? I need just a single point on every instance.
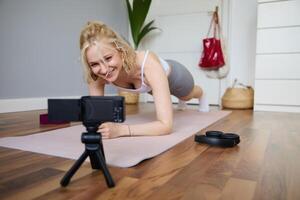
(108, 59)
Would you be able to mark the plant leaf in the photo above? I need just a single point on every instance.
(147, 28)
(131, 21)
(140, 10)
(137, 12)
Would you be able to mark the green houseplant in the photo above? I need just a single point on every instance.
(137, 13)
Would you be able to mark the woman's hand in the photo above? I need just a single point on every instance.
(113, 130)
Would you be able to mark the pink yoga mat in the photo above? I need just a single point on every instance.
(120, 152)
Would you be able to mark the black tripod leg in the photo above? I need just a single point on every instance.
(108, 178)
(66, 179)
(102, 150)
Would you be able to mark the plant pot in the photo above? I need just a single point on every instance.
(130, 98)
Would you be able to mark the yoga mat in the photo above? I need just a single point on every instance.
(120, 152)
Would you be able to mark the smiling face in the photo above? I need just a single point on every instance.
(104, 61)
(104, 54)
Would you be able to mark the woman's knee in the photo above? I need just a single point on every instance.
(195, 93)
(186, 98)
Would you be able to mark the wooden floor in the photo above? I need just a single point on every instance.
(265, 165)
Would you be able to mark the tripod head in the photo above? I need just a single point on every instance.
(92, 127)
(92, 136)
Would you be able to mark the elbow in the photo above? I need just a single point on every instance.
(168, 129)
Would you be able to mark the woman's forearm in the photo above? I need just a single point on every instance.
(149, 129)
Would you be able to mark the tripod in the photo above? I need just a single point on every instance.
(93, 150)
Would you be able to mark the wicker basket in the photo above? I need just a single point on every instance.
(130, 98)
(238, 98)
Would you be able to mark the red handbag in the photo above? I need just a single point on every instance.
(212, 55)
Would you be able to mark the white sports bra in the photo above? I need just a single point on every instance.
(144, 87)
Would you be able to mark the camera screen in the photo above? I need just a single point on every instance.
(96, 110)
(64, 109)
(89, 109)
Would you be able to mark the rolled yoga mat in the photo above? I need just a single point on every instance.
(120, 152)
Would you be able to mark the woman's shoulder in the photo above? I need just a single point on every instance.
(140, 55)
(151, 56)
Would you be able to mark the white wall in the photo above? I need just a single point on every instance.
(181, 36)
(239, 25)
(242, 40)
(185, 23)
(277, 77)
(39, 49)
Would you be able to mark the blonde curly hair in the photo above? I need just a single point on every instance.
(96, 31)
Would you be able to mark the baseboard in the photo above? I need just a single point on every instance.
(38, 103)
(277, 108)
(26, 104)
(143, 97)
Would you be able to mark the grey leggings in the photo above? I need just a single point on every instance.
(181, 81)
